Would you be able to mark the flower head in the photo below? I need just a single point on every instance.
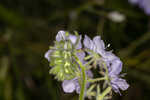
(61, 58)
(113, 63)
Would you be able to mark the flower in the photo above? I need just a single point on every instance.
(144, 4)
(70, 86)
(117, 82)
(113, 63)
(62, 36)
(98, 46)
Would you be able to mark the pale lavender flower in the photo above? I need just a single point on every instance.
(117, 82)
(144, 4)
(98, 46)
(113, 63)
(62, 36)
(70, 86)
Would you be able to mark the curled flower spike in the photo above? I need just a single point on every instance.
(62, 36)
(60, 55)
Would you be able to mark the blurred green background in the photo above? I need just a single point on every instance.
(28, 27)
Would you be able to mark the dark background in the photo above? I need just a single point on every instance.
(28, 27)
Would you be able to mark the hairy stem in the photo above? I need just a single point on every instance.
(101, 96)
(83, 85)
(104, 93)
(83, 78)
(96, 79)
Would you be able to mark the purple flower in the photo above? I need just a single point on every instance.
(92, 45)
(62, 36)
(98, 46)
(144, 4)
(70, 86)
(113, 63)
(117, 82)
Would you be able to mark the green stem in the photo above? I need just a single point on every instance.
(101, 97)
(98, 93)
(83, 78)
(96, 79)
(83, 85)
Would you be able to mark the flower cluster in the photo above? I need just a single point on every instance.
(69, 83)
(144, 4)
(113, 63)
(68, 59)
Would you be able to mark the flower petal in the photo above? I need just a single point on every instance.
(119, 83)
(115, 88)
(116, 67)
(100, 46)
(88, 43)
(109, 56)
(73, 38)
(122, 84)
(47, 54)
(68, 86)
(61, 35)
